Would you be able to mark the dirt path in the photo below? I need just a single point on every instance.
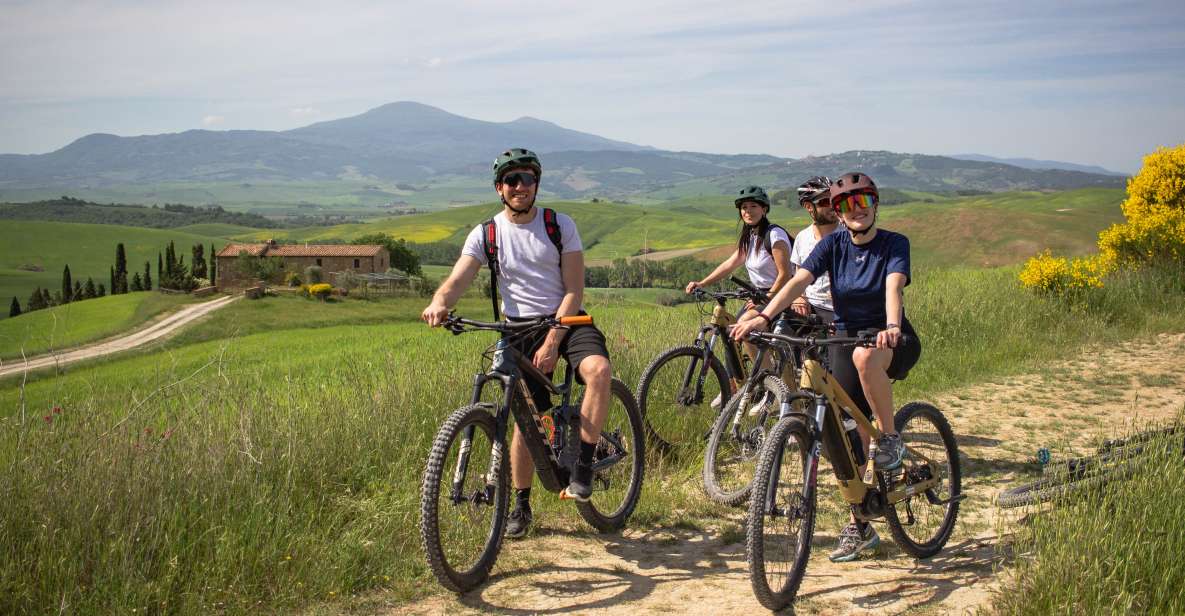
(1000, 426)
(157, 330)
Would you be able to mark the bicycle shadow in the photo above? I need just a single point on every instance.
(916, 583)
(647, 560)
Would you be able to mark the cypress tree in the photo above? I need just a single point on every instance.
(46, 300)
(89, 291)
(102, 291)
(112, 281)
(15, 309)
(120, 284)
(160, 270)
(213, 264)
(56, 300)
(77, 294)
(67, 285)
(147, 276)
(35, 302)
(199, 261)
(136, 285)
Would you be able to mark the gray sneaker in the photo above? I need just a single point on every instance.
(519, 523)
(889, 452)
(852, 542)
(717, 402)
(762, 403)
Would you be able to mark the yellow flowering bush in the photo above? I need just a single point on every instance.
(1155, 211)
(320, 290)
(1153, 232)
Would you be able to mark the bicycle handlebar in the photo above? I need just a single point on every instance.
(458, 325)
(866, 337)
(746, 291)
(758, 294)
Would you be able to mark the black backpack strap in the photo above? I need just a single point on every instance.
(552, 224)
(769, 247)
(489, 244)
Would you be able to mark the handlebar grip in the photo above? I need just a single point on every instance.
(582, 319)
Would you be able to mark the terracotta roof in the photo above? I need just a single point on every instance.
(302, 250)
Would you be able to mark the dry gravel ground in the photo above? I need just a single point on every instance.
(1066, 406)
(157, 330)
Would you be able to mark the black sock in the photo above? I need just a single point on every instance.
(584, 465)
(522, 498)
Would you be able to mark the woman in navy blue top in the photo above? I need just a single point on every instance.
(869, 269)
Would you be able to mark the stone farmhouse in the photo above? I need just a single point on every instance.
(358, 258)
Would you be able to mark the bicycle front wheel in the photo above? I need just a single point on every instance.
(737, 436)
(781, 515)
(464, 498)
(922, 523)
(677, 409)
(618, 463)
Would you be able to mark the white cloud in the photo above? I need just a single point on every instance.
(433, 62)
(303, 112)
(213, 120)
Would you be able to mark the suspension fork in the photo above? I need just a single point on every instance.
(462, 468)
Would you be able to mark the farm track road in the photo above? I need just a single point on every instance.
(155, 331)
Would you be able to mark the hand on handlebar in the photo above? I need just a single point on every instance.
(801, 308)
(755, 324)
(435, 314)
(691, 287)
(888, 338)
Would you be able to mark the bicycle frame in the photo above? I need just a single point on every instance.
(511, 369)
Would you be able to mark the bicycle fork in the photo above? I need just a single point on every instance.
(810, 470)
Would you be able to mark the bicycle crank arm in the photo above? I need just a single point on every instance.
(605, 463)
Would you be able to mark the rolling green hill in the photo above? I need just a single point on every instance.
(990, 229)
(88, 249)
(79, 322)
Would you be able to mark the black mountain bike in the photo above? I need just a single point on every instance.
(686, 386)
(466, 485)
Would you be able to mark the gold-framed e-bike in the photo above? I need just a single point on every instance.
(919, 499)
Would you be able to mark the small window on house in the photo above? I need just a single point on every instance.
(356, 264)
(318, 262)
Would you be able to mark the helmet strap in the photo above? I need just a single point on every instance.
(865, 230)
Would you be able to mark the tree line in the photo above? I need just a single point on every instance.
(171, 274)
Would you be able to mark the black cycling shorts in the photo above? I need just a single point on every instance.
(582, 341)
(904, 358)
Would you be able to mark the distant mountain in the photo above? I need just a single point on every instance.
(399, 141)
(425, 146)
(1033, 163)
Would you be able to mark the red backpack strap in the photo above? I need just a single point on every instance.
(489, 244)
(552, 225)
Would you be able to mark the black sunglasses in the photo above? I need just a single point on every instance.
(514, 179)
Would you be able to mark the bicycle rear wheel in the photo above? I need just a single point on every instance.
(737, 436)
(618, 464)
(781, 515)
(676, 410)
(922, 523)
(464, 498)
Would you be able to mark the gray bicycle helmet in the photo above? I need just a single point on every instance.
(814, 189)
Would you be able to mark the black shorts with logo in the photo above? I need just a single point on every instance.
(582, 341)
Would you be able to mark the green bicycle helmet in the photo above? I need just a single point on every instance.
(514, 158)
(752, 193)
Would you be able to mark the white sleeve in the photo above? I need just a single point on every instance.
(569, 236)
(780, 235)
(474, 246)
(796, 256)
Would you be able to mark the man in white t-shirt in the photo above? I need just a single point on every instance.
(814, 196)
(534, 281)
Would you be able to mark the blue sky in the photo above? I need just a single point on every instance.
(1089, 82)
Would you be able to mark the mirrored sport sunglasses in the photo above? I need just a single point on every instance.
(514, 179)
(851, 201)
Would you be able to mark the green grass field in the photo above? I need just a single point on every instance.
(271, 455)
(985, 230)
(88, 249)
(79, 322)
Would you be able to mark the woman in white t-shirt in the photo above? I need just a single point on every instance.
(763, 247)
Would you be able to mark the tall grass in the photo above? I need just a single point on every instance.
(281, 467)
(1112, 549)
